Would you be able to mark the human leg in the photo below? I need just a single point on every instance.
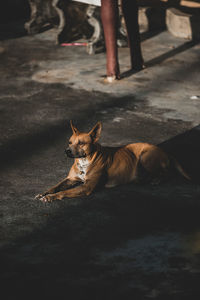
(130, 12)
(109, 16)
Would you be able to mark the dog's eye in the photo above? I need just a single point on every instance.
(81, 143)
(70, 142)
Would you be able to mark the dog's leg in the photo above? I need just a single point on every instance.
(154, 169)
(62, 185)
(83, 190)
(141, 175)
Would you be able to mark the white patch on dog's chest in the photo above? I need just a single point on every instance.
(82, 165)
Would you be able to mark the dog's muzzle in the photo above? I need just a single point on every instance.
(69, 153)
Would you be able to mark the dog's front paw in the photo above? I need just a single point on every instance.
(47, 198)
(39, 196)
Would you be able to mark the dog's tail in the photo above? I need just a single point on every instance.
(180, 169)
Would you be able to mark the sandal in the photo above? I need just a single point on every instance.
(111, 79)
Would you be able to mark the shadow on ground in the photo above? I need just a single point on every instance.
(61, 258)
(186, 148)
(131, 242)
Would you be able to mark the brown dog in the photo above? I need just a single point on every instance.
(110, 166)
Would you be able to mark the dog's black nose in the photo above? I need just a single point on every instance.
(68, 152)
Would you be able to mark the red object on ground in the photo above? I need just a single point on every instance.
(74, 44)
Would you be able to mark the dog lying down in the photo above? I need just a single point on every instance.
(95, 165)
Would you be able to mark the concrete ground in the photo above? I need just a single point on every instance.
(129, 242)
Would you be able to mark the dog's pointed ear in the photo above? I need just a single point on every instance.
(95, 132)
(74, 129)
